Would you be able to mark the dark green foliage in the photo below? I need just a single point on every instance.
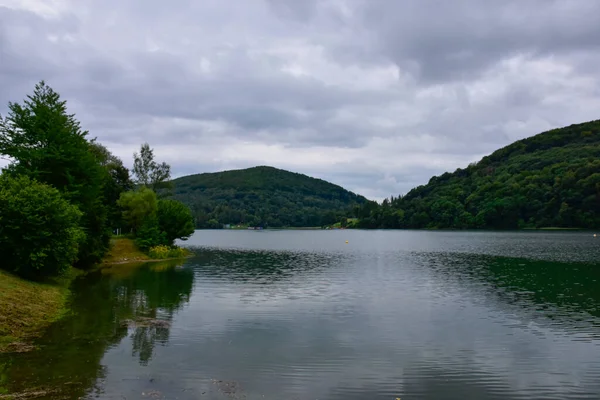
(549, 180)
(212, 224)
(116, 181)
(155, 222)
(175, 220)
(47, 144)
(39, 229)
(150, 235)
(263, 196)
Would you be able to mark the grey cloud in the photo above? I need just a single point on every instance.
(298, 10)
(376, 96)
(441, 40)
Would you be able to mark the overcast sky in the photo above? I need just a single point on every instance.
(374, 95)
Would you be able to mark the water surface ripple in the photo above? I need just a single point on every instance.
(303, 315)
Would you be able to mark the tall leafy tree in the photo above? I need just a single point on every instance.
(47, 143)
(148, 172)
(138, 206)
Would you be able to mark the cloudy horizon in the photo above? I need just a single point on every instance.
(373, 95)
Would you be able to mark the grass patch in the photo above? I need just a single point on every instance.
(27, 308)
(123, 249)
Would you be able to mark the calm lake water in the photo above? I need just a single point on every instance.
(305, 315)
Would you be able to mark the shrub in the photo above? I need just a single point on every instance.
(177, 252)
(161, 252)
(39, 229)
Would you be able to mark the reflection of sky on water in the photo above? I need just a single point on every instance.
(357, 326)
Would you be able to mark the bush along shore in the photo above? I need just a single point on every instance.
(58, 217)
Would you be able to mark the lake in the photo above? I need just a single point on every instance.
(305, 315)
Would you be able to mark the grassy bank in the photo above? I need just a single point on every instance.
(27, 308)
(123, 250)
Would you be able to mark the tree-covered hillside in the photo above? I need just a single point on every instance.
(548, 180)
(263, 196)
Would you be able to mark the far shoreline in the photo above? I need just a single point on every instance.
(312, 228)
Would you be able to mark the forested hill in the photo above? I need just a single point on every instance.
(263, 196)
(548, 180)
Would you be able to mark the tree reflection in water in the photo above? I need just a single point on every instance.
(136, 300)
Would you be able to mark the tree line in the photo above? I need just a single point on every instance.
(549, 180)
(63, 193)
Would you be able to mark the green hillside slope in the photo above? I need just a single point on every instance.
(548, 180)
(263, 196)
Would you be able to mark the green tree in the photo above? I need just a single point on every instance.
(138, 206)
(116, 181)
(149, 234)
(148, 172)
(47, 144)
(175, 220)
(565, 215)
(39, 229)
(213, 224)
